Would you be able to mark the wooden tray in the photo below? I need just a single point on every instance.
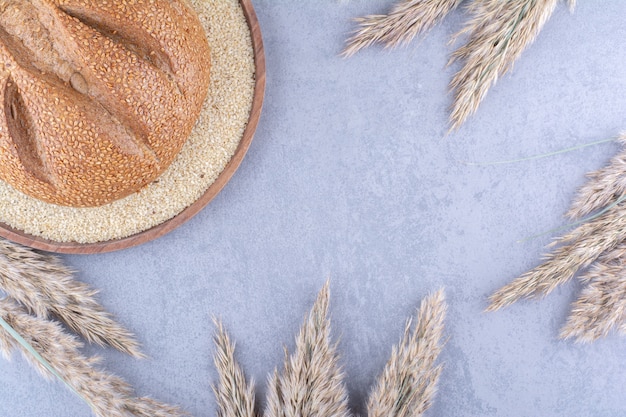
(169, 225)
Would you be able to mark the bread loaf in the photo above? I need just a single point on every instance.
(99, 95)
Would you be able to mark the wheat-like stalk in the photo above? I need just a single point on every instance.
(408, 383)
(311, 383)
(407, 19)
(604, 186)
(149, 407)
(602, 303)
(598, 244)
(499, 31)
(234, 396)
(580, 248)
(108, 395)
(46, 287)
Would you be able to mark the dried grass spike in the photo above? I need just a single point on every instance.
(46, 287)
(408, 383)
(498, 34)
(604, 186)
(407, 19)
(149, 407)
(108, 395)
(311, 383)
(234, 396)
(584, 245)
(601, 306)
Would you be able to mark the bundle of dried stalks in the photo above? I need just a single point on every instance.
(46, 287)
(311, 383)
(108, 395)
(407, 19)
(601, 305)
(39, 286)
(599, 243)
(499, 31)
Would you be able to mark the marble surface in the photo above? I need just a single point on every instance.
(352, 178)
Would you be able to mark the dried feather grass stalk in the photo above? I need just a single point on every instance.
(108, 395)
(148, 407)
(311, 383)
(603, 187)
(499, 31)
(407, 19)
(234, 396)
(580, 249)
(601, 306)
(408, 383)
(46, 287)
(600, 245)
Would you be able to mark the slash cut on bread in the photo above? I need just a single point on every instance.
(98, 96)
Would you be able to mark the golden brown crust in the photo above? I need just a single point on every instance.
(99, 97)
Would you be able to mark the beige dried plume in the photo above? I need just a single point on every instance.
(598, 244)
(407, 19)
(408, 383)
(601, 306)
(498, 32)
(580, 248)
(46, 287)
(604, 186)
(234, 395)
(311, 383)
(108, 395)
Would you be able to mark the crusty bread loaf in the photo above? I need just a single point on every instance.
(99, 96)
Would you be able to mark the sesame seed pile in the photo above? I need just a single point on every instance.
(211, 145)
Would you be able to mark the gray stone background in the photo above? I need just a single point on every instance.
(352, 177)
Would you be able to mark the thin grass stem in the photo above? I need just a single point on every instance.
(541, 156)
(30, 349)
(576, 223)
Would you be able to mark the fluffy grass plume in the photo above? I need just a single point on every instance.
(601, 306)
(311, 383)
(108, 395)
(407, 19)
(599, 246)
(408, 383)
(499, 31)
(234, 396)
(604, 186)
(580, 248)
(46, 287)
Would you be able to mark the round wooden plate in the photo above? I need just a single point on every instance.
(169, 225)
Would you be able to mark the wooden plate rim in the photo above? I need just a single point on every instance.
(36, 242)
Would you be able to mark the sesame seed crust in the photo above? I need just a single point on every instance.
(99, 96)
(210, 146)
